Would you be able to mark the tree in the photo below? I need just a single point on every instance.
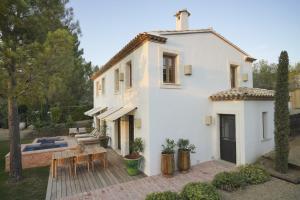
(24, 27)
(281, 117)
(264, 75)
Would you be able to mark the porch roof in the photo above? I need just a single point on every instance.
(121, 112)
(110, 111)
(243, 93)
(93, 111)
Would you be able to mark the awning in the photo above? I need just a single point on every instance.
(108, 112)
(121, 112)
(93, 111)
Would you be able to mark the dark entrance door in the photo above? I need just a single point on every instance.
(227, 138)
(119, 132)
(131, 131)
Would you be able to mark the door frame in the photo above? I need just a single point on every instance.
(235, 135)
(130, 131)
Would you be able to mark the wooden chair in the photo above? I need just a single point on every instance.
(64, 163)
(81, 159)
(101, 157)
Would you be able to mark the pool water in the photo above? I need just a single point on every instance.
(35, 147)
(48, 140)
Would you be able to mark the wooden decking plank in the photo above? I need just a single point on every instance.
(49, 186)
(58, 183)
(80, 179)
(63, 183)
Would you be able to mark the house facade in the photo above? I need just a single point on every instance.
(184, 83)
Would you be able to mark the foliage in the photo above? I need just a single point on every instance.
(229, 181)
(264, 75)
(281, 116)
(254, 174)
(169, 146)
(168, 195)
(199, 191)
(184, 144)
(70, 122)
(137, 146)
(56, 114)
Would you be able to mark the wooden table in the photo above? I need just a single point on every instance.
(69, 155)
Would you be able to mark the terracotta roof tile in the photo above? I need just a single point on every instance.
(243, 93)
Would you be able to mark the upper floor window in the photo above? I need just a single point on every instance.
(103, 85)
(169, 68)
(117, 80)
(97, 88)
(233, 76)
(264, 125)
(129, 74)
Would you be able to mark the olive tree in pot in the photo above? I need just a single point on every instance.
(103, 136)
(133, 160)
(167, 158)
(184, 150)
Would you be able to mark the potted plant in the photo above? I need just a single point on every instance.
(184, 150)
(133, 159)
(167, 158)
(103, 137)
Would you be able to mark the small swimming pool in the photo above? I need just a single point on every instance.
(35, 147)
(48, 140)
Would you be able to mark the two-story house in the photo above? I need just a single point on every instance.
(184, 83)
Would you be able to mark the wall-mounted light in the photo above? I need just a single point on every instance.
(245, 77)
(208, 120)
(121, 76)
(138, 123)
(188, 70)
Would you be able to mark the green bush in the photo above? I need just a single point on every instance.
(56, 114)
(254, 174)
(199, 191)
(168, 195)
(70, 122)
(229, 181)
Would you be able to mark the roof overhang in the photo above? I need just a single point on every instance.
(139, 40)
(120, 113)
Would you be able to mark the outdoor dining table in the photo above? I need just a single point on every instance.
(68, 156)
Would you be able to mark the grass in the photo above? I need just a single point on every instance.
(33, 185)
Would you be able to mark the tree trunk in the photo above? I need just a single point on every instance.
(15, 168)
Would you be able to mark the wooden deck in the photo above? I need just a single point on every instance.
(65, 185)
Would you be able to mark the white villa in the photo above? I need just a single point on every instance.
(184, 83)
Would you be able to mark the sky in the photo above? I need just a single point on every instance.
(262, 28)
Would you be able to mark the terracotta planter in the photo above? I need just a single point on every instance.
(184, 161)
(132, 165)
(167, 165)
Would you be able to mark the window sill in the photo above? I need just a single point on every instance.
(266, 139)
(170, 86)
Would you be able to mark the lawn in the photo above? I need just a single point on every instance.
(33, 186)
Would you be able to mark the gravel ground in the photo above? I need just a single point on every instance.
(275, 189)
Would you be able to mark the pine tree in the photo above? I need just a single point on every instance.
(282, 114)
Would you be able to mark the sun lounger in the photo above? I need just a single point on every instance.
(91, 134)
(89, 140)
(82, 130)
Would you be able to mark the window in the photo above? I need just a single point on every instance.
(264, 125)
(117, 80)
(233, 76)
(103, 85)
(97, 88)
(129, 75)
(169, 69)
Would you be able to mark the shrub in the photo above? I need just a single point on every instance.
(56, 114)
(169, 146)
(254, 174)
(199, 191)
(168, 195)
(184, 144)
(229, 181)
(69, 122)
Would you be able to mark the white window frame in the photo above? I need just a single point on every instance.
(128, 78)
(117, 80)
(264, 124)
(103, 85)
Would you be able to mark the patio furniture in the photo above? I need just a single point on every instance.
(62, 159)
(81, 159)
(91, 134)
(90, 140)
(72, 131)
(101, 156)
(82, 130)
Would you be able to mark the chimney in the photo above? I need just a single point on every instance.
(182, 20)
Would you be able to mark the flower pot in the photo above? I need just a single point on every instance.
(132, 165)
(184, 161)
(167, 165)
(104, 141)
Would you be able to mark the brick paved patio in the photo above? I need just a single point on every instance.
(138, 189)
